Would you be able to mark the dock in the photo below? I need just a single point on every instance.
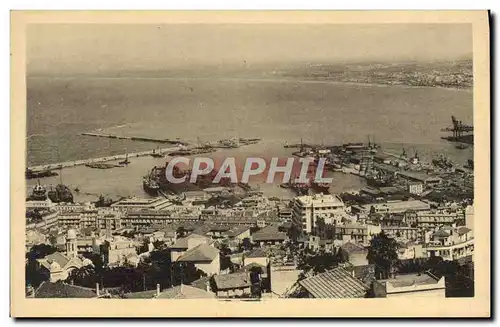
(82, 162)
(136, 138)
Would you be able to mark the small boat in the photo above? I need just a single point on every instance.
(155, 154)
(125, 162)
(77, 190)
(462, 146)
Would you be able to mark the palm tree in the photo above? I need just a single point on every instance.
(382, 253)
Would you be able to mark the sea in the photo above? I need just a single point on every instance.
(279, 111)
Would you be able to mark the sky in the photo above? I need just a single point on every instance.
(91, 48)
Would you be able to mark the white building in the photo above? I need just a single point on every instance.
(415, 188)
(306, 210)
(451, 243)
(135, 203)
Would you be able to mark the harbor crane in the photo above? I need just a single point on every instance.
(458, 128)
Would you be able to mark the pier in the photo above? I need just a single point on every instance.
(136, 138)
(82, 162)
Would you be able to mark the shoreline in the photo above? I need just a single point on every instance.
(252, 79)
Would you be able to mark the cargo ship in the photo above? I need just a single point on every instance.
(150, 185)
(30, 174)
(320, 187)
(443, 163)
(100, 165)
(61, 193)
(38, 193)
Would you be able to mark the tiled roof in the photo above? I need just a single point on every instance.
(235, 231)
(232, 281)
(58, 257)
(463, 230)
(249, 267)
(441, 233)
(258, 253)
(140, 295)
(352, 247)
(182, 243)
(185, 292)
(63, 290)
(412, 279)
(202, 252)
(335, 283)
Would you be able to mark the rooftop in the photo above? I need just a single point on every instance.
(318, 199)
(185, 292)
(336, 283)
(200, 253)
(232, 281)
(182, 243)
(412, 280)
(63, 290)
(258, 253)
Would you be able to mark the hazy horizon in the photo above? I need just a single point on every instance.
(62, 49)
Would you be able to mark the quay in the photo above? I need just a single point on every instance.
(136, 138)
(82, 162)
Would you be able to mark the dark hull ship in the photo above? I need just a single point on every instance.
(61, 193)
(39, 174)
(38, 193)
(321, 187)
(157, 181)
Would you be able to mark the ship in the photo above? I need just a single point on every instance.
(443, 163)
(102, 202)
(61, 193)
(150, 185)
(156, 154)
(38, 193)
(182, 152)
(320, 187)
(30, 174)
(158, 175)
(99, 165)
(299, 188)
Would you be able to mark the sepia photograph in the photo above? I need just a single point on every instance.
(234, 159)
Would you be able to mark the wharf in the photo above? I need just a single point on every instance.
(136, 138)
(82, 162)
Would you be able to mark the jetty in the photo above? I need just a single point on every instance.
(136, 138)
(82, 162)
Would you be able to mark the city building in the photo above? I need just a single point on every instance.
(436, 218)
(135, 203)
(411, 285)
(451, 243)
(269, 235)
(415, 188)
(427, 180)
(183, 244)
(347, 232)
(405, 232)
(307, 209)
(337, 283)
(392, 207)
(57, 266)
(233, 285)
(204, 257)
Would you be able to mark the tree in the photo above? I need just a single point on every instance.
(85, 276)
(246, 245)
(382, 253)
(317, 263)
(34, 276)
(181, 232)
